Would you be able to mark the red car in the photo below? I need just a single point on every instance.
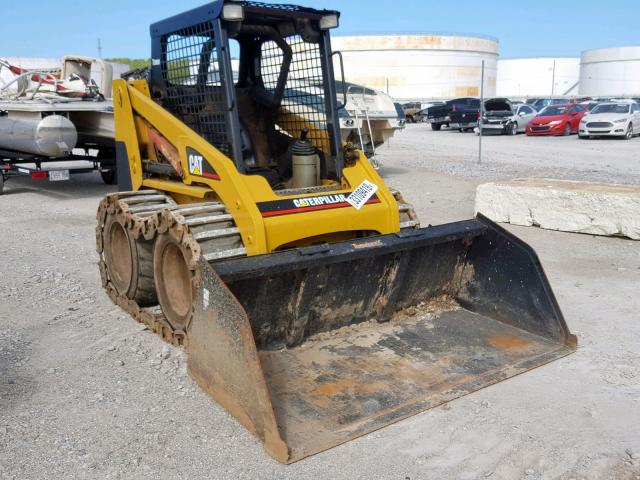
(557, 120)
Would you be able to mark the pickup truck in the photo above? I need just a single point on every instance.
(441, 115)
(465, 117)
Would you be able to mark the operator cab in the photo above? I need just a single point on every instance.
(281, 96)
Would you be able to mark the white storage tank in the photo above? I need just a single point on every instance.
(538, 77)
(610, 72)
(419, 67)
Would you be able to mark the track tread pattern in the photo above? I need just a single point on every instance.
(149, 213)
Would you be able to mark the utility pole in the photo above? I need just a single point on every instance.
(99, 48)
(481, 113)
(553, 77)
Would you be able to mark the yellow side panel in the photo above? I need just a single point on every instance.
(126, 131)
(176, 187)
(230, 188)
(242, 194)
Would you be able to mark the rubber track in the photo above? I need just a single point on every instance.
(204, 229)
(148, 213)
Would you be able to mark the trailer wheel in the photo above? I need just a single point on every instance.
(108, 176)
(436, 126)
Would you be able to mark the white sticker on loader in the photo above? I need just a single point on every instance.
(362, 194)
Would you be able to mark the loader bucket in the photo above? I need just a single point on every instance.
(312, 347)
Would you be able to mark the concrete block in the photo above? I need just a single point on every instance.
(582, 207)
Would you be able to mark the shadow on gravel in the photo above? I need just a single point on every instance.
(390, 171)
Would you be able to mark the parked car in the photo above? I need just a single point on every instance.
(410, 110)
(557, 120)
(589, 104)
(440, 115)
(422, 115)
(542, 103)
(503, 117)
(621, 119)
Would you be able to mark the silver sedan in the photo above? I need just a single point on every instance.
(502, 117)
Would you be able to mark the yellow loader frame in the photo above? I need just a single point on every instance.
(262, 232)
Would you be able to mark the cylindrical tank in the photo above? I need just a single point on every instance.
(51, 136)
(538, 77)
(610, 72)
(419, 67)
(305, 163)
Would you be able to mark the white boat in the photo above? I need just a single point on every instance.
(57, 115)
(369, 118)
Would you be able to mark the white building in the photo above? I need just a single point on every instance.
(538, 77)
(419, 67)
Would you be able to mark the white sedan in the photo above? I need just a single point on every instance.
(620, 119)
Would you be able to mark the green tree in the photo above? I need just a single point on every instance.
(178, 71)
(134, 63)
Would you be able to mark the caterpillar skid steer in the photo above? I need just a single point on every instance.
(310, 303)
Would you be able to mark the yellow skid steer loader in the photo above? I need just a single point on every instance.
(311, 304)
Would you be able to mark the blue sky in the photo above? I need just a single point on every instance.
(524, 27)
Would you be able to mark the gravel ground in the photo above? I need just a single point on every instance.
(454, 153)
(86, 392)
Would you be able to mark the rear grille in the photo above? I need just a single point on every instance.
(541, 128)
(599, 125)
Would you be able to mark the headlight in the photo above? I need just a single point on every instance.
(555, 122)
(584, 120)
(329, 21)
(233, 13)
(621, 120)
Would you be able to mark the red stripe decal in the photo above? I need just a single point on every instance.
(316, 207)
(215, 176)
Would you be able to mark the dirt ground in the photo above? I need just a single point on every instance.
(86, 392)
(453, 153)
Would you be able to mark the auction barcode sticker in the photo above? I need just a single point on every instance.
(362, 194)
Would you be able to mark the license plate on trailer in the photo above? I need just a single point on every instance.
(58, 175)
